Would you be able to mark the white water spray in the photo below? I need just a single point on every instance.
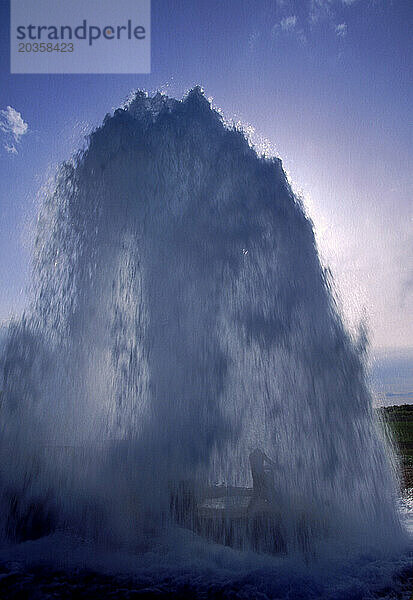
(180, 318)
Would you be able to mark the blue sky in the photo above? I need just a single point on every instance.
(326, 84)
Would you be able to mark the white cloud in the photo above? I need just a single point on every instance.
(311, 13)
(288, 23)
(304, 19)
(319, 10)
(341, 29)
(13, 127)
(11, 149)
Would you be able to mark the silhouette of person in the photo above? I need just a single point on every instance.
(261, 490)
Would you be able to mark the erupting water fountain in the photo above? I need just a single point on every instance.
(180, 320)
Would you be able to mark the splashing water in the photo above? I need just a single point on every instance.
(180, 318)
